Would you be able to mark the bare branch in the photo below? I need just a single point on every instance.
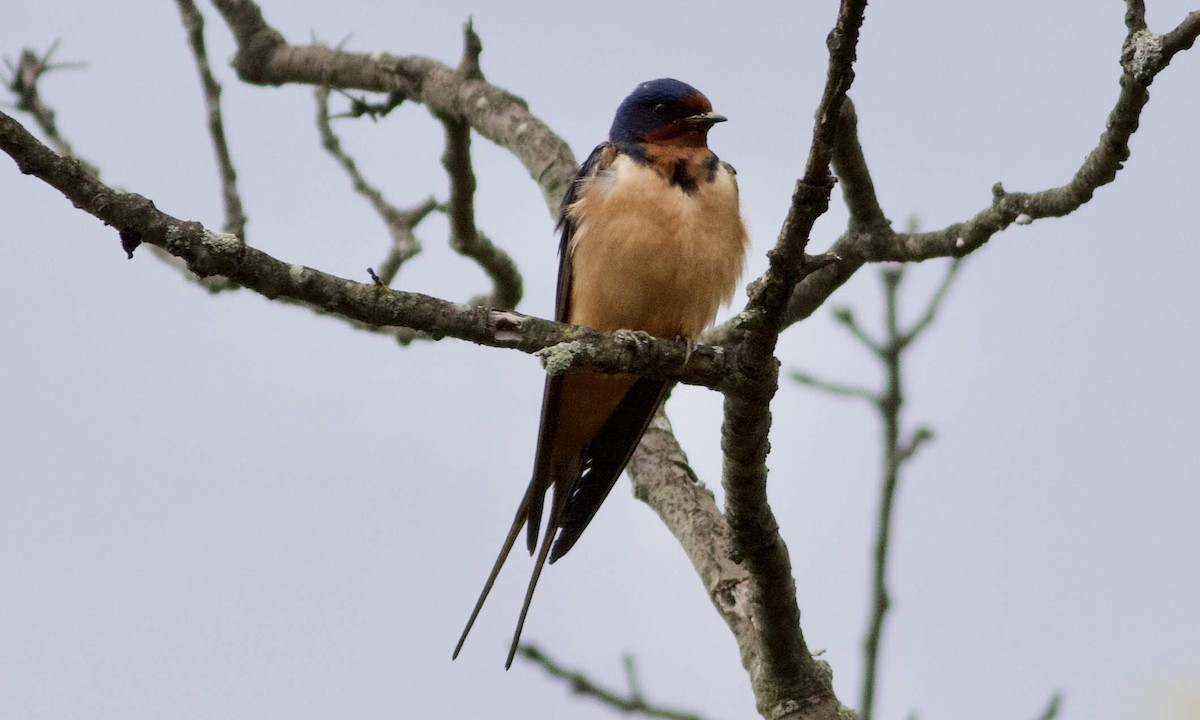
(1135, 15)
(933, 306)
(264, 57)
(896, 452)
(889, 406)
(850, 167)
(235, 216)
(866, 220)
(663, 479)
(28, 71)
(1181, 38)
(810, 198)
(465, 236)
(469, 66)
(1051, 711)
(363, 107)
(207, 254)
(910, 447)
(1144, 55)
(787, 681)
(860, 245)
(26, 74)
(582, 685)
(845, 317)
(834, 388)
(400, 223)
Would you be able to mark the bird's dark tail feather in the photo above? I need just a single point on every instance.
(561, 478)
(505, 549)
(606, 457)
(556, 508)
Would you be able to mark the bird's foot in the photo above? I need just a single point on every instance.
(689, 346)
(637, 338)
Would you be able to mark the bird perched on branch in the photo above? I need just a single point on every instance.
(652, 241)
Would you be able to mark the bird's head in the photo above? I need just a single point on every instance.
(664, 112)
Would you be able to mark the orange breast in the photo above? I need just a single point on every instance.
(648, 256)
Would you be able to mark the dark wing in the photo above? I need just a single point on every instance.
(530, 510)
(606, 457)
(599, 159)
(609, 452)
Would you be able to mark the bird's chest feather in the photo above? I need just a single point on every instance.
(653, 253)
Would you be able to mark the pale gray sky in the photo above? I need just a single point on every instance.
(225, 507)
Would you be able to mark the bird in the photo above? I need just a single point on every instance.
(651, 240)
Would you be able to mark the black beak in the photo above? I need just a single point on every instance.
(708, 118)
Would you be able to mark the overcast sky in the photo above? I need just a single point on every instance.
(227, 507)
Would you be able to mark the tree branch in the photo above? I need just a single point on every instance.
(850, 167)
(787, 681)
(845, 317)
(631, 704)
(1143, 57)
(861, 244)
(1051, 711)
(1135, 15)
(1181, 38)
(465, 236)
(663, 479)
(235, 216)
(889, 403)
(401, 224)
(209, 254)
(759, 595)
(265, 58)
(833, 388)
(931, 308)
(26, 73)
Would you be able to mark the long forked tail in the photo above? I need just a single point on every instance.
(556, 509)
(515, 530)
(530, 508)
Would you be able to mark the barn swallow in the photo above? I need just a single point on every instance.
(652, 240)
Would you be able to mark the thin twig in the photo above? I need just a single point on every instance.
(910, 447)
(361, 106)
(895, 455)
(24, 83)
(401, 224)
(28, 71)
(932, 307)
(265, 57)
(845, 317)
(877, 242)
(834, 388)
(889, 403)
(1052, 708)
(632, 679)
(235, 215)
(580, 684)
(465, 236)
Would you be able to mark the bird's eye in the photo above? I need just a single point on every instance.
(660, 110)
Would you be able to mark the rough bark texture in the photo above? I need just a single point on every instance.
(738, 552)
